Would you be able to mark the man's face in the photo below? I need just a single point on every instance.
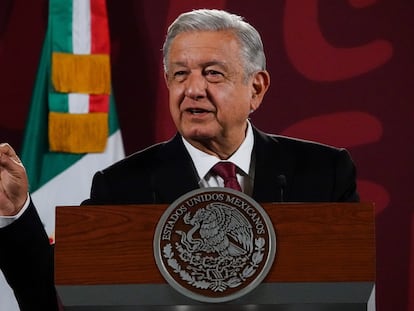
(210, 97)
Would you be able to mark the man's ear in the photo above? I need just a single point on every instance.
(166, 79)
(260, 85)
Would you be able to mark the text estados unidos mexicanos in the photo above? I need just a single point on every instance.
(215, 197)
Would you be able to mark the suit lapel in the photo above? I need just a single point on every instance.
(174, 173)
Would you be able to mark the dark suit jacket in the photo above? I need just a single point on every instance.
(162, 173)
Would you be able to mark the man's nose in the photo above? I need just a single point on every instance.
(196, 86)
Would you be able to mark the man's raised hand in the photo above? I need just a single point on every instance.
(13, 182)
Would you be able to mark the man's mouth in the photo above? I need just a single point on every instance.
(196, 110)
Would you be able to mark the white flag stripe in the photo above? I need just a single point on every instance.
(72, 186)
(78, 103)
(81, 27)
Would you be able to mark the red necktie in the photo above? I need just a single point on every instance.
(227, 171)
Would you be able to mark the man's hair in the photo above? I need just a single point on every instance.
(251, 46)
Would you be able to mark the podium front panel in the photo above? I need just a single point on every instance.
(325, 257)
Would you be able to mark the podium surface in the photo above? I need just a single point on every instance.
(325, 260)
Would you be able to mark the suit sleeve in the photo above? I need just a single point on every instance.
(26, 259)
(345, 189)
(99, 191)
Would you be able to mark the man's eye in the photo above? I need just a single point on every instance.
(179, 75)
(213, 75)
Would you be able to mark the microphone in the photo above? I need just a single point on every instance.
(281, 183)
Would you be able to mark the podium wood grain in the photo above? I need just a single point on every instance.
(316, 242)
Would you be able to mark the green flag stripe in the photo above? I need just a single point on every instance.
(113, 116)
(61, 24)
(60, 18)
(58, 102)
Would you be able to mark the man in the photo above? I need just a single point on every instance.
(216, 76)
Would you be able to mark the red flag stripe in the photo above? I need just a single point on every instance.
(99, 28)
(98, 103)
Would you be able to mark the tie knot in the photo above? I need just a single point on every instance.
(227, 171)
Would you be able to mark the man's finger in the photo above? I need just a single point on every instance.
(7, 149)
(9, 158)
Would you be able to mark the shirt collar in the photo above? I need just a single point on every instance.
(203, 162)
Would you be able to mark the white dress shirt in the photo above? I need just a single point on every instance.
(242, 158)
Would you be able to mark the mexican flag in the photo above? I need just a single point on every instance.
(72, 107)
(72, 129)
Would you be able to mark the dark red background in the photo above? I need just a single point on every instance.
(342, 73)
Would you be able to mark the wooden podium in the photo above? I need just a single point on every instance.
(325, 260)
